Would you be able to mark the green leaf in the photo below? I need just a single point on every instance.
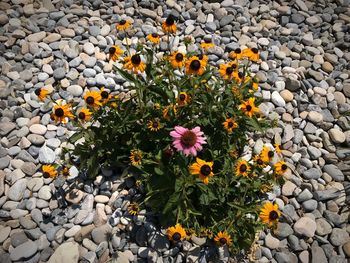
(158, 171)
(172, 202)
(126, 75)
(253, 123)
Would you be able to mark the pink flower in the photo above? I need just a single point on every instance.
(188, 141)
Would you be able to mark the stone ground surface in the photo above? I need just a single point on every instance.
(62, 46)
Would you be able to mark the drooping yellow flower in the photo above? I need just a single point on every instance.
(136, 157)
(49, 171)
(267, 154)
(259, 161)
(154, 125)
(169, 25)
(183, 99)
(230, 124)
(133, 208)
(169, 109)
(227, 70)
(105, 96)
(61, 112)
(177, 59)
(236, 54)
(123, 25)
(203, 169)
(41, 93)
(84, 114)
(93, 99)
(242, 168)
(207, 44)
(280, 168)
(278, 148)
(249, 108)
(115, 52)
(154, 38)
(238, 76)
(176, 233)
(251, 53)
(134, 63)
(269, 213)
(195, 66)
(223, 238)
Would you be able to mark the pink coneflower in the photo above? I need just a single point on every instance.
(188, 141)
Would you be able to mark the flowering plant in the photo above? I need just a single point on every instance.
(182, 131)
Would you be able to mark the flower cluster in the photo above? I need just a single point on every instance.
(183, 131)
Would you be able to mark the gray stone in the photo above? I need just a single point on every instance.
(283, 230)
(304, 195)
(18, 238)
(339, 236)
(6, 128)
(334, 172)
(323, 195)
(16, 191)
(312, 173)
(4, 233)
(323, 227)
(24, 251)
(46, 155)
(317, 254)
(67, 252)
(310, 205)
(305, 226)
(286, 257)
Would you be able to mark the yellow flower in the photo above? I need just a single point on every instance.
(154, 125)
(269, 213)
(115, 52)
(61, 112)
(227, 70)
(93, 99)
(195, 66)
(249, 108)
(203, 59)
(84, 114)
(154, 38)
(267, 154)
(123, 25)
(169, 25)
(49, 171)
(105, 95)
(236, 54)
(242, 168)
(230, 124)
(133, 208)
(134, 63)
(168, 109)
(176, 233)
(278, 148)
(280, 168)
(259, 161)
(177, 59)
(136, 157)
(203, 169)
(238, 76)
(251, 53)
(41, 93)
(223, 238)
(183, 99)
(207, 44)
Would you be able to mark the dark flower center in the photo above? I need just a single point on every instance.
(249, 108)
(179, 57)
(136, 59)
(122, 22)
(37, 91)
(154, 35)
(195, 65)
(255, 50)
(243, 168)
(259, 162)
(104, 94)
(238, 51)
(182, 97)
(189, 139)
(46, 175)
(284, 167)
(270, 154)
(223, 241)
(81, 115)
(234, 66)
(229, 70)
(240, 75)
(170, 20)
(230, 124)
(90, 100)
(207, 41)
(155, 124)
(59, 112)
(111, 50)
(176, 236)
(200, 57)
(137, 158)
(273, 215)
(205, 170)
